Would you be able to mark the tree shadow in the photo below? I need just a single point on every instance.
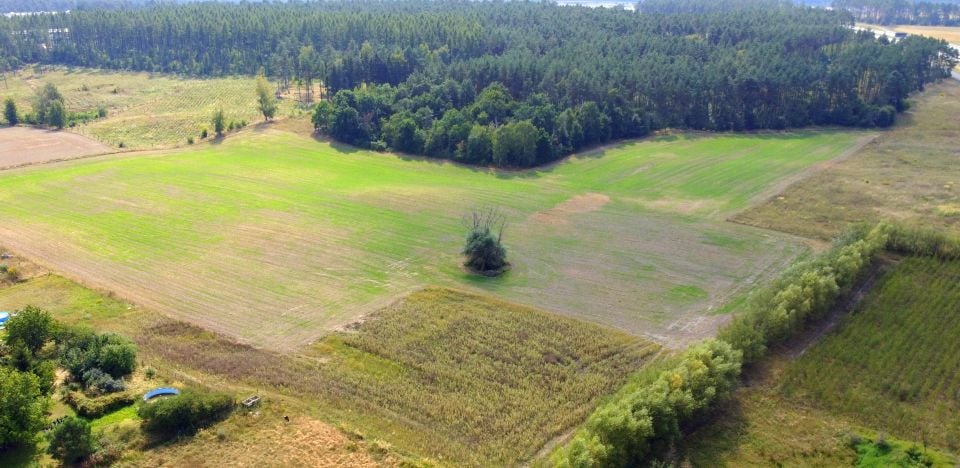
(27, 455)
(714, 436)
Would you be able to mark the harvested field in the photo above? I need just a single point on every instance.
(442, 374)
(20, 146)
(909, 173)
(275, 239)
(950, 34)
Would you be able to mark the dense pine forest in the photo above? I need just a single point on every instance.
(513, 84)
(938, 13)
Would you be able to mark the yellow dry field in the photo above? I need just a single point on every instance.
(144, 110)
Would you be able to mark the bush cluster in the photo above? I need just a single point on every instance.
(804, 293)
(185, 413)
(96, 407)
(101, 382)
(96, 359)
(625, 431)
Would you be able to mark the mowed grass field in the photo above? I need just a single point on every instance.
(144, 110)
(909, 173)
(888, 370)
(274, 238)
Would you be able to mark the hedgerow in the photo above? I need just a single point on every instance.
(645, 419)
(623, 432)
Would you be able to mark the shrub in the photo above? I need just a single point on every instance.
(95, 407)
(71, 440)
(203, 133)
(189, 140)
(184, 413)
(31, 326)
(22, 407)
(98, 380)
(13, 274)
(484, 251)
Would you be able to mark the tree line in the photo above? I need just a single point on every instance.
(512, 84)
(645, 419)
(939, 13)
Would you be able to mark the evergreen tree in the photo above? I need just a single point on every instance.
(218, 122)
(10, 112)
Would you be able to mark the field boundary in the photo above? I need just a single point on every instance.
(784, 184)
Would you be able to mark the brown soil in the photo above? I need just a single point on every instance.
(20, 146)
(579, 204)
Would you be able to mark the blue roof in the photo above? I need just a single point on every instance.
(159, 392)
(4, 316)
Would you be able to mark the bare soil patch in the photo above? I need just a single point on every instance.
(579, 204)
(20, 146)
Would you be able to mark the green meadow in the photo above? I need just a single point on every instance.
(274, 238)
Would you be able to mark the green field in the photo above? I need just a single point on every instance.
(144, 110)
(894, 364)
(275, 238)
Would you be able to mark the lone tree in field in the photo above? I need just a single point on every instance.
(265, 100)
(484, 251)
(10, 112)
(219, 122)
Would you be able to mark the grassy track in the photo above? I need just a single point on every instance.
(144, 110)
(908, 173)
(273, 238)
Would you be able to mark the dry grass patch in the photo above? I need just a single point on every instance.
(472, 379)
(145, 110)
(909, 173)
(266, 440)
